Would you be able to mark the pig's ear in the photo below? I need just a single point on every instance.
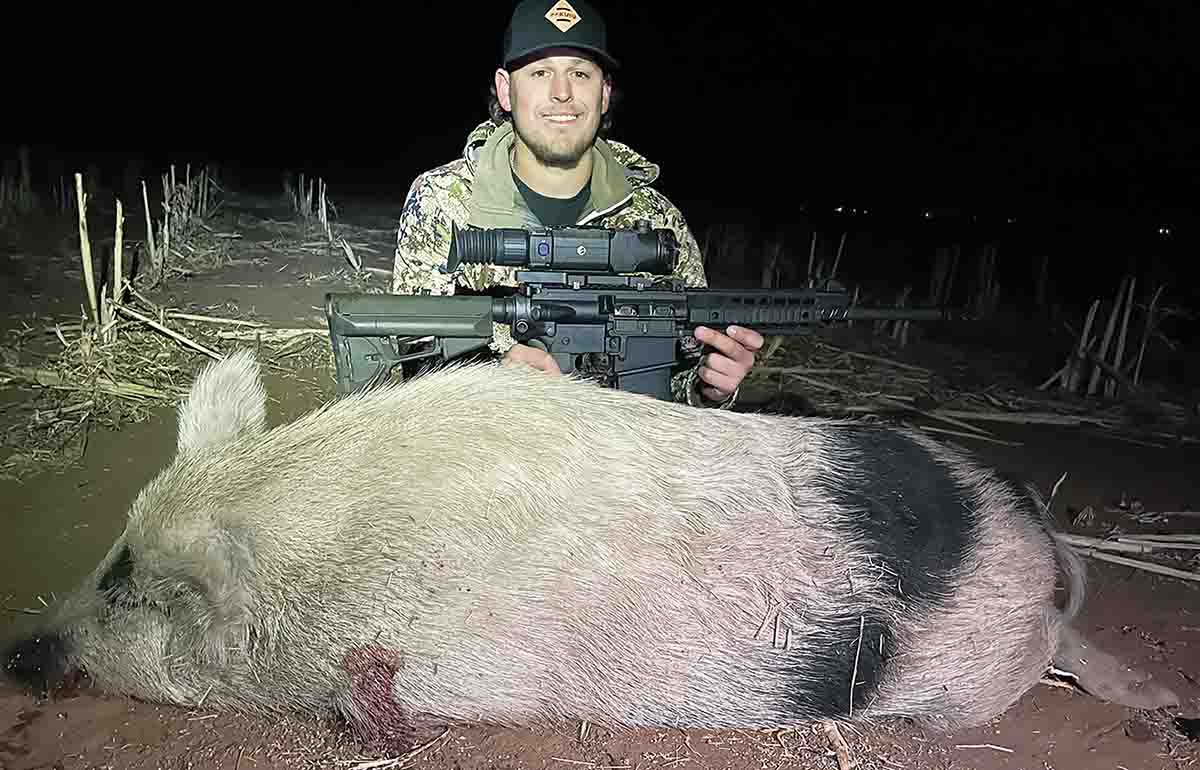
(218, 562)
(227, 400)
(226, 571)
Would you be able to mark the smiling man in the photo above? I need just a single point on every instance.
(543, 159)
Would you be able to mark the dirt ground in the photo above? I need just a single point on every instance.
(58, 522)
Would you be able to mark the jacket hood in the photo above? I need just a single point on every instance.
(618, 172)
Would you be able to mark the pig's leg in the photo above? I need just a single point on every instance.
(1106, 677)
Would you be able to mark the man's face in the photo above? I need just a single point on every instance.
(556, 104)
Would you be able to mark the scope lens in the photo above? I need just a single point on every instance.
(651, 252)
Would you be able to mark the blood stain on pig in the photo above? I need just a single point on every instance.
(70, 684)
(372, 670)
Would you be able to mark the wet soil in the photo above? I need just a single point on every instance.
(57, 524)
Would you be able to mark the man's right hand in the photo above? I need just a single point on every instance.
(535, 357)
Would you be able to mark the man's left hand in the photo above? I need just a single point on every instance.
(730, 362)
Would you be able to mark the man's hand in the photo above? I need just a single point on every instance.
(535, 357)
(725, 368)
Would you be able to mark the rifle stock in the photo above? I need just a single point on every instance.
(366, 332)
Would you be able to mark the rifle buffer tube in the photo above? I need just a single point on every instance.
(376, 315)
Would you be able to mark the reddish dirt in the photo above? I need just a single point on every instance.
(58, 524)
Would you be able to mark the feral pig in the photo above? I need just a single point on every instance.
(488, 543)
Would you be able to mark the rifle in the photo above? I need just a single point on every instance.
(584, 290)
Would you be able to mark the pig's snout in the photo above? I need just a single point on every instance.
(37, 662)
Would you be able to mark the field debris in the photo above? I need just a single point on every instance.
(864, 377)
(403, 759)
(1108, 550)
(838, 743)
(127, 354)
(81, 382)
(991, 746)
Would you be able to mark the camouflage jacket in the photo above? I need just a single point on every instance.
(478, 190)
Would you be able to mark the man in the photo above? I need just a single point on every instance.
(542, 160)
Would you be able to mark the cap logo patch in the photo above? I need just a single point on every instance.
(562, 15)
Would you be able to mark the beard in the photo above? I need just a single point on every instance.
(554, 149)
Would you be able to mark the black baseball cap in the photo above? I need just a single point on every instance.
(540, 24)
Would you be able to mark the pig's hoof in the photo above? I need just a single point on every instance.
(1125, 688)
(1107, 678)
(36, 662)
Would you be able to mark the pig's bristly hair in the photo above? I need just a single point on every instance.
(493, 543)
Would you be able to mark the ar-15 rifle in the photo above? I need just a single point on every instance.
(585, 291)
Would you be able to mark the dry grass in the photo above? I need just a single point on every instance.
(328, 241)
(17, 196)
(127, 356)
(867, 376)
(185, 240)
(1166, 728)
(84, 382)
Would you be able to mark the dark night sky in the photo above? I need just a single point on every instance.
(1056, 113)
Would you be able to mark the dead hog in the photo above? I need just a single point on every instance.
(491, 543)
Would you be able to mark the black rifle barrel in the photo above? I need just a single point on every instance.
(896, 314)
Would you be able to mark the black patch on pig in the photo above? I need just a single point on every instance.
(905, 507)
(117, 576)
(918, 524)
(36, 662)
(850, 652)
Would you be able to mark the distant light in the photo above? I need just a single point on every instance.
(1012, 220)
(928, 215)
(838, 209)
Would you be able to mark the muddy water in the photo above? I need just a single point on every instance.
(1099, 469)
(55, 527)
(58, 525)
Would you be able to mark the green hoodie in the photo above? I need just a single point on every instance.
(478, 190)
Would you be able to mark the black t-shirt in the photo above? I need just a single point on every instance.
(555, 211)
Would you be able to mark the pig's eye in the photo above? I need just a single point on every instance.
(117, 576)
(117, 586)
(121, 592)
